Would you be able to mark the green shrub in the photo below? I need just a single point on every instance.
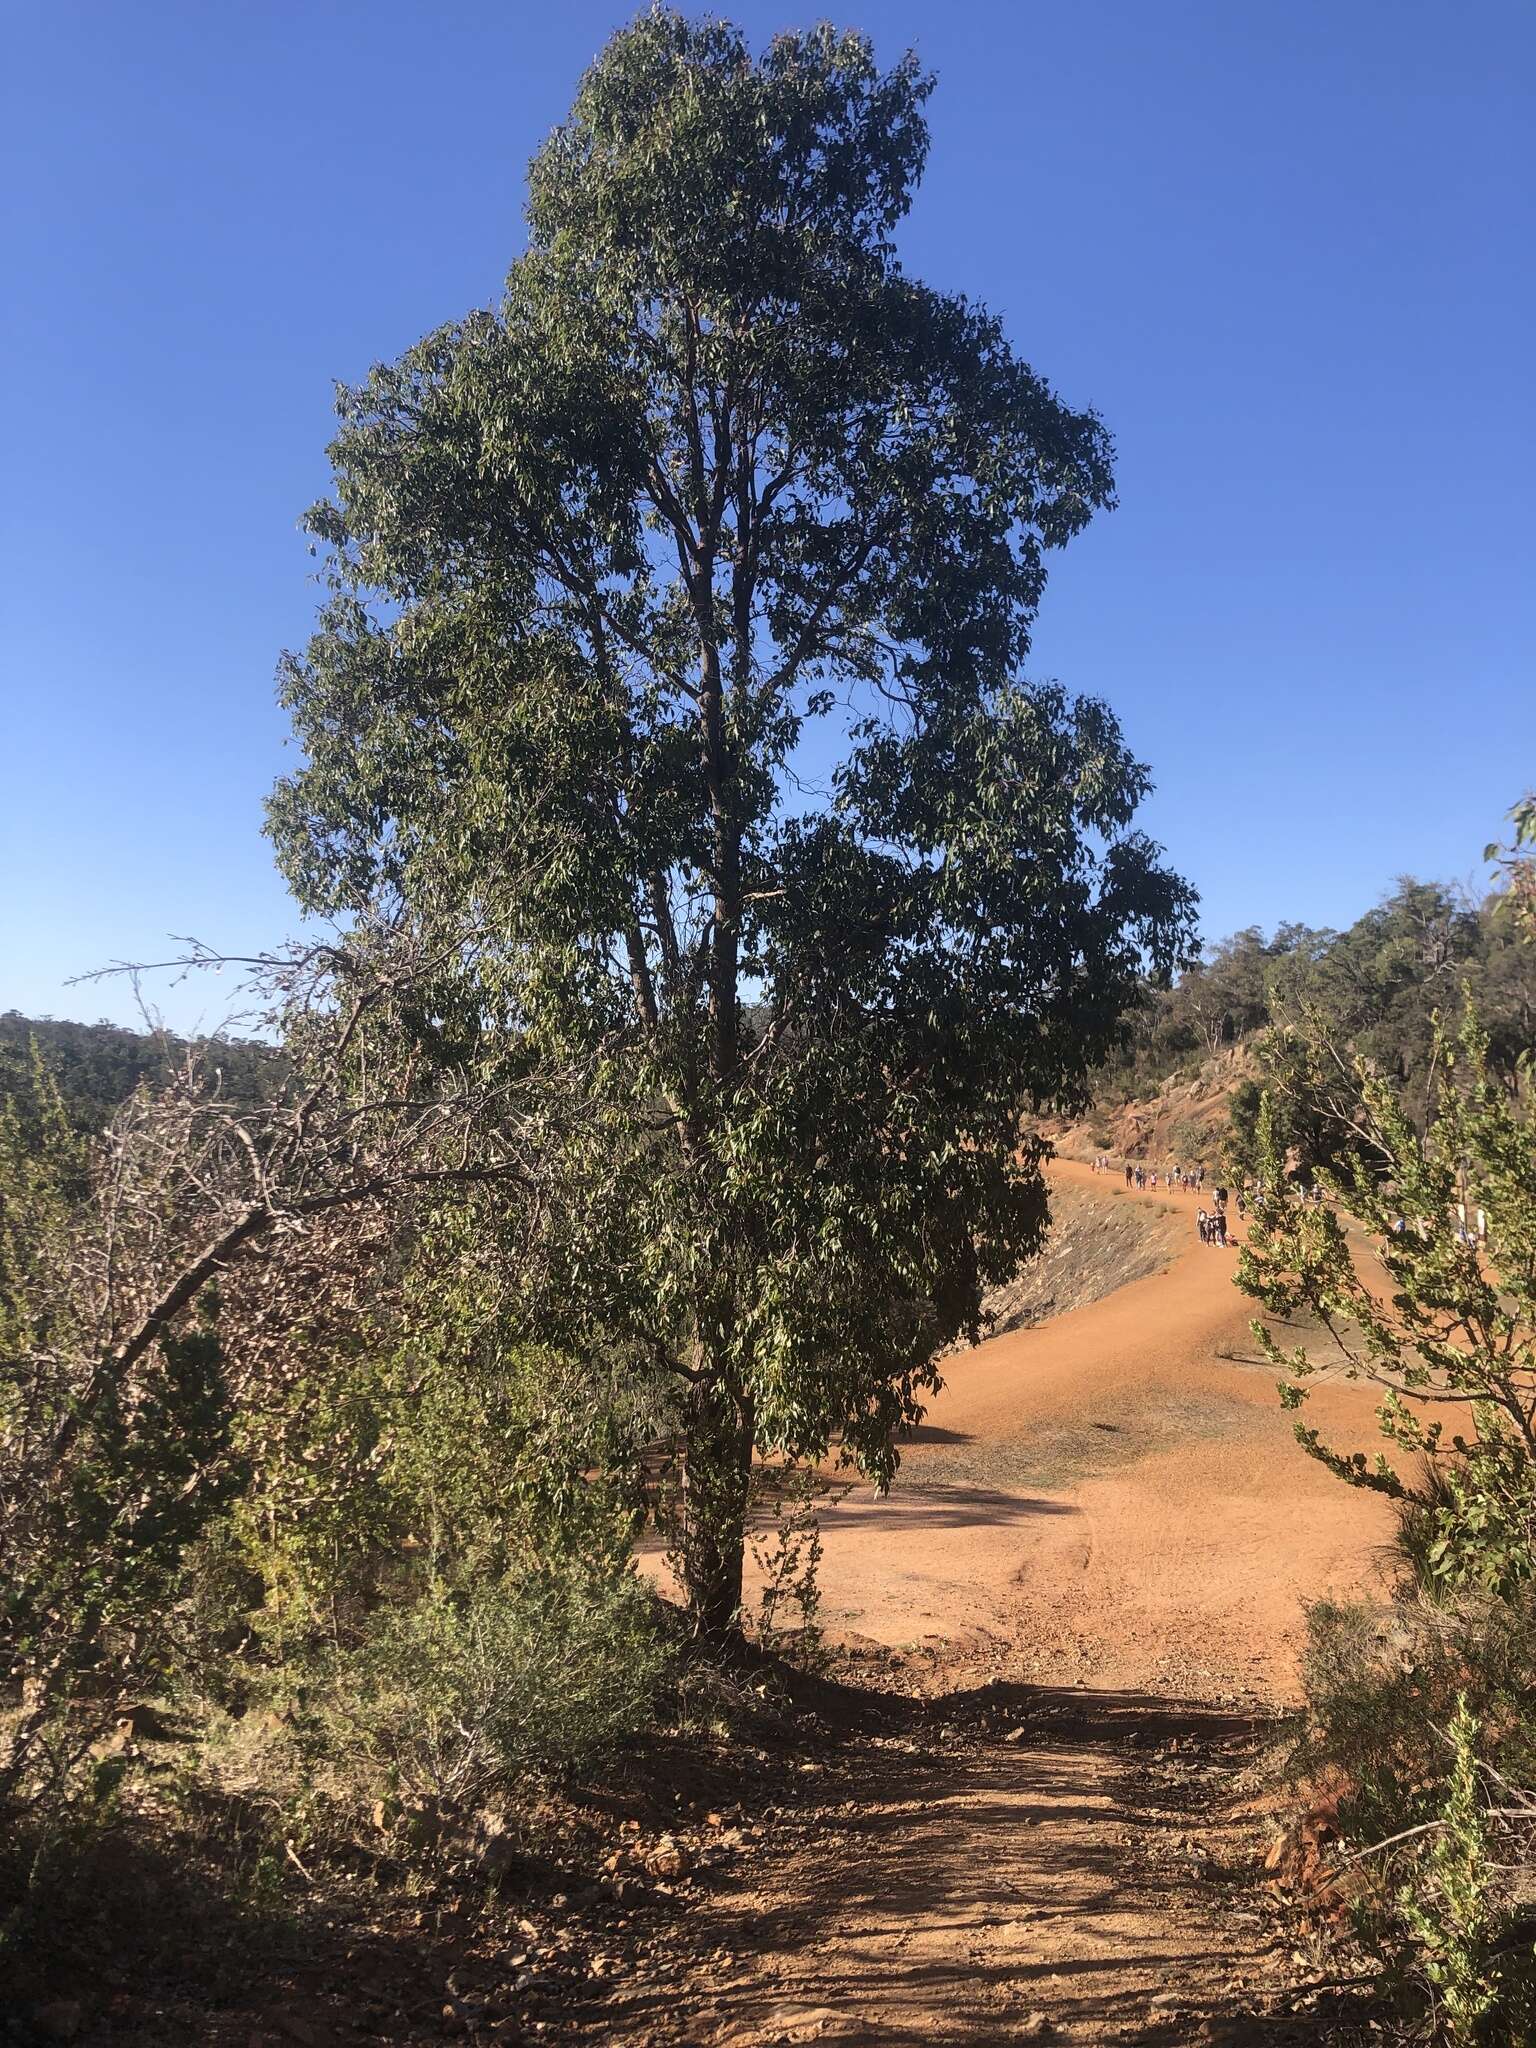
(1420, 1716)
(1190, 1141)
(110, 1466)
(1450, 1341)
(1447, 1908)
(1382, 1683)
(457, 1698)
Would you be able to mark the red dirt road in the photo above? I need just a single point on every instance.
(1101, 1537)
(1114, 1497)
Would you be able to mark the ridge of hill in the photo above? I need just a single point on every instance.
(1193, 1051)
(96, 1067)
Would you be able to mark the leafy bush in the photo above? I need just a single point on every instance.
(1190, 1141)
(1451, 1219)
(108, 1469)
(1449, 1913)
(474, 1688)
(1382, 1684)
(1419, 1716)
(787, 1550)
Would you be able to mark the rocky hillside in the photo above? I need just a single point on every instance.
(1183, 1120)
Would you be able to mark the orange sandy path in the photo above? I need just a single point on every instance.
(1108, 1498)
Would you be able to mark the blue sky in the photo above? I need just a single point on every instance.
(1283, 246)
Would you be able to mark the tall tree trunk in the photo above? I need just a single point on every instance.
(713, 1531)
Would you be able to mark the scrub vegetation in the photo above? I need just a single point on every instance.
(717, 916)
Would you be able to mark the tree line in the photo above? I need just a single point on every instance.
(1376, 986)
(96, 1067)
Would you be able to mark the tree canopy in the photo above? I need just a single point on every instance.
(718, 506)
(1375, 987)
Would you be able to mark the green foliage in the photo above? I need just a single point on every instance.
(1382, 1682)
(220, 1471)
(788, 1554)
(95, 1067)
(718, 483)
(1191, 1142)
(104, 1479)
(1378, 987)
(1416, 1711)
(1418, 1718)
(1447, 1913)
(1374, 988)
(1450, 1326)
(426, 1429)
(458, 1696)
(393, 1536)
(1516, 865)
(1216, 1002)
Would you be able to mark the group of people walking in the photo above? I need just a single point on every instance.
(1212, 1223)
(1144, 1177)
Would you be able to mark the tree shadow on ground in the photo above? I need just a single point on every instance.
(945, 1898)
(935, 1504)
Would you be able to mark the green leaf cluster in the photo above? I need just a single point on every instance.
(1436, 1312)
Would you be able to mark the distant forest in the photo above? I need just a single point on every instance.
(95, 1067)
(1375, 988)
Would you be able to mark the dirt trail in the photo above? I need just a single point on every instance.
(1111, 1503)
(1115, 1496)
(1062, 1881)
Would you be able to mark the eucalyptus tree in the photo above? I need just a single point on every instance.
(696, 580)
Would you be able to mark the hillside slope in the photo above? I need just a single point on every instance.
(1182, 1121)
(1113, 1497)
(1095, 1245)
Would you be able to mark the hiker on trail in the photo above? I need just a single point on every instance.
(1129, 1172)
(1221, 1228)
(1204, 1222)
